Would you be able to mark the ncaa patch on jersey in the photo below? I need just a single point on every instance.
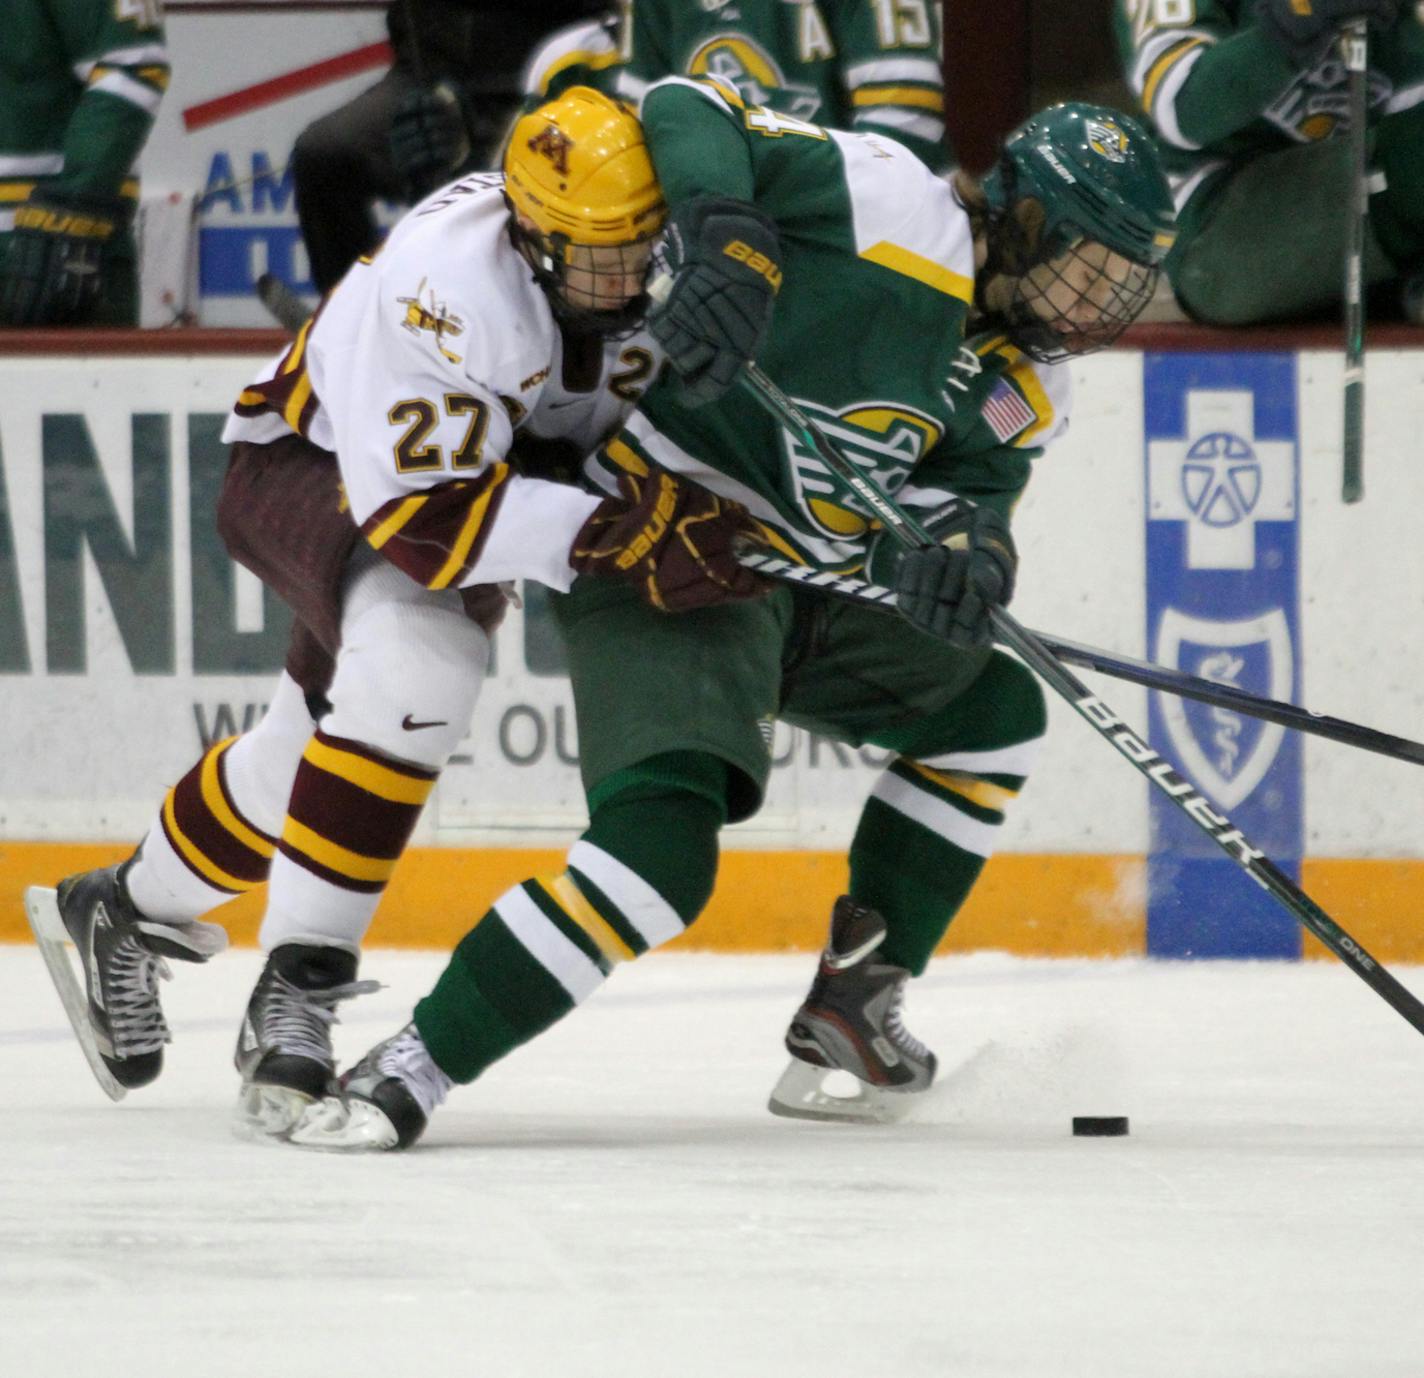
(1006, 412)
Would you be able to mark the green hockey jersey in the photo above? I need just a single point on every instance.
(872, 65)
(1218, 91)
(80, 82)
(868, 334)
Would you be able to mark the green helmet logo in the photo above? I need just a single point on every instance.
(1097, 176)
(1107, 140)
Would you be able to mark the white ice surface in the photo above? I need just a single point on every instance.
(615, 1201)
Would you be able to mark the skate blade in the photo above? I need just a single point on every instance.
(268, 1114)
(337, 1126)
(52, 939)
(806, 1092)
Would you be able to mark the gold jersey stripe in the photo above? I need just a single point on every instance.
(292, 412)
(625, 457)
(1162, 66)
(461, 549)
(396, 520)
(218, 806)
(293, 360)
(334, 857)
(912, 265)
(1023, 374)
(197, 859)
(384, 782)
(18, 191)
(981, 792)
(924, 99)
(566, 894)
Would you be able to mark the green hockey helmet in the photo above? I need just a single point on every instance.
(1076, 188)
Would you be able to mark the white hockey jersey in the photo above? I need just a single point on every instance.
(419, 369)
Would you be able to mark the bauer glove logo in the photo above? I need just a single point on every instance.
(759, 263)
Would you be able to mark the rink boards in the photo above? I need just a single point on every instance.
(1192, 510)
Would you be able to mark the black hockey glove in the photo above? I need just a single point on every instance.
(52, 273)
(725, 264)
(1306, 28)
(429, 138)
(950, 589)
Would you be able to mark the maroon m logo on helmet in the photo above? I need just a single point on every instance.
(553, 144)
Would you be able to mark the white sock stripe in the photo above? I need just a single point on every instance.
(637, 901)
(935, 814)
(1018, 759)
(547, 946)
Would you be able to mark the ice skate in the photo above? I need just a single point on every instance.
(284, 1046)
(116, 1013)
(383, 1102)
(852, 1057)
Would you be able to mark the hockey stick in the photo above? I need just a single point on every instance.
(1354, 43)
(1102, 719)
(1133, 671)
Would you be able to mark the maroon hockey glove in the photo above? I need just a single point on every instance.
(672, 539)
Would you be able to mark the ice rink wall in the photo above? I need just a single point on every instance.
(1192, 514)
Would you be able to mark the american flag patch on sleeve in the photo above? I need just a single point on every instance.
(1006, 412)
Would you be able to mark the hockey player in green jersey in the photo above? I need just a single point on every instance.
(870, 65)
(1250, 108)
(924, 326)
(80, 82)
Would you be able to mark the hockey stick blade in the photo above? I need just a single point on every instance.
(52, 939)
(1133, 748)
(1144, 672)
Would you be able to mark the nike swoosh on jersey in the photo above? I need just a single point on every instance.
(409, 723)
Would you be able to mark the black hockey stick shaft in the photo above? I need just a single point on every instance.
(1355, 46)
(1144, 672)
(1232, 841)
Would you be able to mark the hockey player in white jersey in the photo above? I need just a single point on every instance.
(376, 484)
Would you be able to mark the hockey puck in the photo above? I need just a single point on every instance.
(1099, 1126)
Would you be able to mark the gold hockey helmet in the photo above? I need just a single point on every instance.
(586, 205)
(579, 167)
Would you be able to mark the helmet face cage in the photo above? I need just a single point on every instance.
(1077, 300)
(1079, 219)
(587, 285)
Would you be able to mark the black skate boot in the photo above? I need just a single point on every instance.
(850, 1022)
(117, 1016)
(284, 1046)
(384, 1101)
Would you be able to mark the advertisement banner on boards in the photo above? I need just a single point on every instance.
(1223, 604)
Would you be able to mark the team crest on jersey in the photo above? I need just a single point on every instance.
(742, 63)
(423, 312)
(1107, 139)
(884, 439)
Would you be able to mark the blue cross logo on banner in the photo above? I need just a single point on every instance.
(1222, 603)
